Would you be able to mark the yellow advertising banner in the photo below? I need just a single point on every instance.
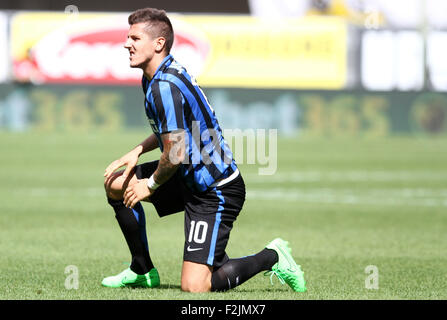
(219, 50)
(302, 53)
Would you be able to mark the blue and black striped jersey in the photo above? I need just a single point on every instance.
(174, 101)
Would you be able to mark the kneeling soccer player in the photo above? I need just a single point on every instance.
(196, 174)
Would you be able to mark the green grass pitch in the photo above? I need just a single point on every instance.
(343, 204)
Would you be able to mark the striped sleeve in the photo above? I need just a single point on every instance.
(169, 102)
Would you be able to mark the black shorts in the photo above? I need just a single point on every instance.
(209, 216)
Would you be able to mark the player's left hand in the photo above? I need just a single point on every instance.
(136, 192)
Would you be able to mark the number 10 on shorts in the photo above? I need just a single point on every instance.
(197, 231)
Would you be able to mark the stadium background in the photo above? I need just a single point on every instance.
(356, 90)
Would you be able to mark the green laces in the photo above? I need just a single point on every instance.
(276, 273)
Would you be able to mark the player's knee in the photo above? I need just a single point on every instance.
(106, 185)
(108, 188)
(111, 189)
(195, 285)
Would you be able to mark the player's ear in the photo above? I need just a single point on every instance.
(160, 44)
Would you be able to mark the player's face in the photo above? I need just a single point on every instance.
(140, 44)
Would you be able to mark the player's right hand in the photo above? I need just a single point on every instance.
(129, 160)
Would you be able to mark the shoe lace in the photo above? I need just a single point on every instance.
(272, 273)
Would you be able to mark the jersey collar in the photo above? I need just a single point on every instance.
(165, 63)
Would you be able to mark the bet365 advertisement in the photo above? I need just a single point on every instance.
(82, 108)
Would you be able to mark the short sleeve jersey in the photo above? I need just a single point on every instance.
(174, 101)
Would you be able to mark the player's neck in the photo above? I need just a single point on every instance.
(152, 66)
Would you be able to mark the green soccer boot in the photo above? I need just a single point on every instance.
(286, 268)
(128, 278)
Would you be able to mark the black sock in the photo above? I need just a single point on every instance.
(132, 223)
(237, 271)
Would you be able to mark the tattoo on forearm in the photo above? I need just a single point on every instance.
(165, 168)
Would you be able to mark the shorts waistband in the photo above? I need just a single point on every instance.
(222, 182)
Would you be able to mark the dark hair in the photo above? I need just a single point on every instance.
(158, 24)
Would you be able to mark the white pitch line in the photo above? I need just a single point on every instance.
(368, 196)
(349, 176)
(333, 196)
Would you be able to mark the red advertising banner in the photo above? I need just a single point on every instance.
(85, 48)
